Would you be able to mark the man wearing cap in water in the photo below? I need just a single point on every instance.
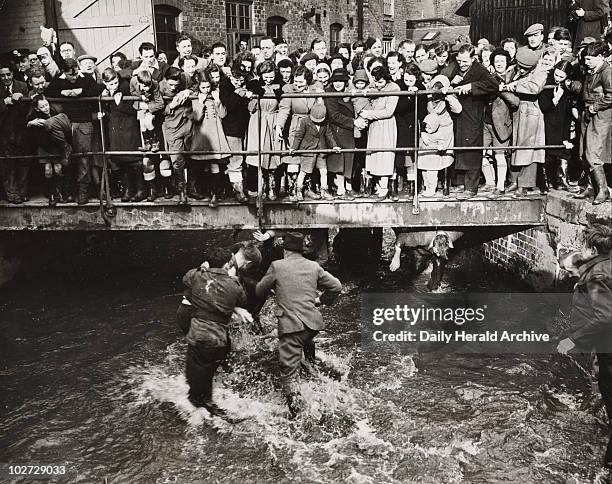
(296, 280)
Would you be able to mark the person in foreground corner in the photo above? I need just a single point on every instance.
(591, 315)
(295, 280)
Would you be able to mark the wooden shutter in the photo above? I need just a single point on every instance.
(101, 27)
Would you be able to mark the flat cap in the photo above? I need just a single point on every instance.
(533, 29)
(526, 58)
(429, 66)
(587, 41)
(87, 56)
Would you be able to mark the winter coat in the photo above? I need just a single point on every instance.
(382, 131)
(557, 118)
(341, 116)
(295, 280)
(502, 108)
(266, 138)
(295, 108)
(405, 117)
(469, 124)
(591, 314)
(442, 139)
(237, 120)
(122, 124)
(596, 139)
(308, 137)
(208, 134)
(177, 120)
(77, 112)
(528, 121)
(594, 21)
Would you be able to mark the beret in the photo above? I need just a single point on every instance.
(527, 58)
(429, 66)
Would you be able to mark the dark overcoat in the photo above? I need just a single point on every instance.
(341, 119)
(122, 125)
(469, 124)
(594, 21)
(557, 118)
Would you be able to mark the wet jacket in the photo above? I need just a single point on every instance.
(591, 315)
(214, 295)
(295, 280)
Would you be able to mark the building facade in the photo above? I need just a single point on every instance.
(100, 27)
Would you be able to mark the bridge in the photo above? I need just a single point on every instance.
(503, 211)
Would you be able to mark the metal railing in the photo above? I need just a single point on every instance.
(108, 211)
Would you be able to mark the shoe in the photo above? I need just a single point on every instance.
(239, 192)
(497, 192)
(348, 195)
(193, 191)
(167, 191)
(512, 188)
(83, 197)
(326, 195)
(214, 201)
(299, 195)
(466, 195)
(603, 193)
(520, 192)
(151, 192)
(487, 188)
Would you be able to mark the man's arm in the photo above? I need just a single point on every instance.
(601, 299)
(331, 286)
(266, 284)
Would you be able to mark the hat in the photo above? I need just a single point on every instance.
(17, 55)
(294, 240)
(441, 79)
(284, 63)
(433, 120)
(318, 113)
(370, 41)
(339, 75)
(527, 58)
(280, 40)
(323, 66)
(361, 75)
(69, 65)
(309, 56)
(587, 41)
(429, 66)
(533, 29)
(87, 56)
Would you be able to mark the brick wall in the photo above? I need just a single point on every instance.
(19, 24)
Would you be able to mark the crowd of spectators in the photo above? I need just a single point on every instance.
(477, 103)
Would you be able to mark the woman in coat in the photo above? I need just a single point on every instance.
(556, 104)
(407, 121)
(382, 129)
(123, 135)
(294, 109)
(528, 120)
(265, 139)
(341, 119)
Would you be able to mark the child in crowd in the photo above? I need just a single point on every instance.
(51, 133)
(313, 134)
(360, 83)
(436, 140)
(151, 103)
(208, 134)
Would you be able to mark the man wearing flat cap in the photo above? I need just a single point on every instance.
(296, 280)
(87, 66)
(535, 38)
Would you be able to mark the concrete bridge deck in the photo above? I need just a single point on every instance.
(167, 215)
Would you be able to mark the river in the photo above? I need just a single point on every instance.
(92, 378)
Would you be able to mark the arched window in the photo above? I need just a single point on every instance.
(167, 28)
(335, 36)
(274, 26)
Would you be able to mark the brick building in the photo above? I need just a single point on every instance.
(101, 27)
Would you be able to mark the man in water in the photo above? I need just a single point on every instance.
(214, 292)
(295, 280)
(426, 246)
(591, 315)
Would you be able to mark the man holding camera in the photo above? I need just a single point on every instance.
(591, 17)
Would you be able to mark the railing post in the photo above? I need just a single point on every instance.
(415, 201)
(106, 210)
(259, 169)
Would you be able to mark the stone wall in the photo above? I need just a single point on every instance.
(20, 22)
(532, 253)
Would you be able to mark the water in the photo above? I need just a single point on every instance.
(92, 377)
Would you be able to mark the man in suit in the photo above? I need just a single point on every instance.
(295, 280)
(14, 172)
(148, 60)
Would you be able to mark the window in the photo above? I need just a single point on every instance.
(335, 36)
(167, 29)
(388, 45)
(274, 27)
(238, 16)
(388, 7)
